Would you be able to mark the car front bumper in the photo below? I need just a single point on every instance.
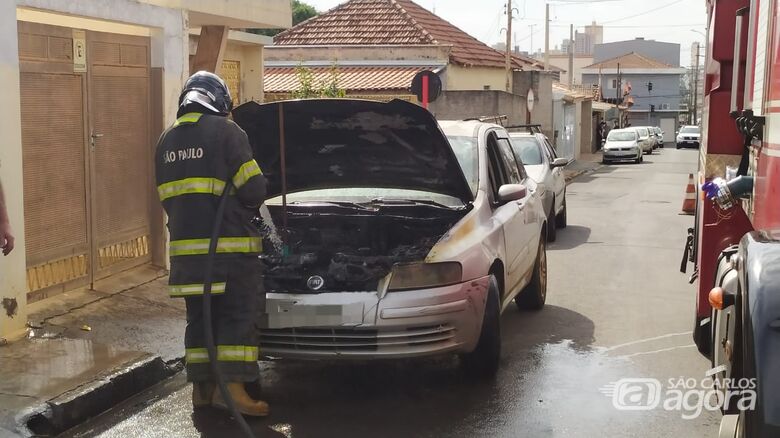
(361, 325)
(688, 143)
(622, 154)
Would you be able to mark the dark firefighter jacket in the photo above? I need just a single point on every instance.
(194, 160)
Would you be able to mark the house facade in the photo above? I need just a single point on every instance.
(88, 88)
(653, 86)
(379, 34)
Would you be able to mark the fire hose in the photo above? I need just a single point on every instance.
(208, 328)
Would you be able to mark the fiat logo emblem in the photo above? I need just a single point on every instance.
(315, 282)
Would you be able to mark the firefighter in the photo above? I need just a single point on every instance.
(200, 156)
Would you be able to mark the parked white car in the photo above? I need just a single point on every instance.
(659, 136)
(399, 240)
(688, 136)
(622, 145)
(646, 139)
(543, 165)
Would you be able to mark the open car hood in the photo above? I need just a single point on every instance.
(348, 143)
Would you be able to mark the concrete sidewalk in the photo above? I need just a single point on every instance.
(586, 163)
(87, 350)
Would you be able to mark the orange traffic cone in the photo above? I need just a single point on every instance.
(689, 203)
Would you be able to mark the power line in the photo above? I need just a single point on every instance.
(643, 13)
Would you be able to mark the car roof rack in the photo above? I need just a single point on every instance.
(498, 120)
(532, 129)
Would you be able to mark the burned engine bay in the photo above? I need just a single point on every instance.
(332, 248)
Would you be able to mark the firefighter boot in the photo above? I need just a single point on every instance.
(202, 394)
(246, 405)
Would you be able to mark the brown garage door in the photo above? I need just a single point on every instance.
(119, 131)
(85, 138)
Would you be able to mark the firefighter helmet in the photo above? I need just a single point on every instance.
(208, 90)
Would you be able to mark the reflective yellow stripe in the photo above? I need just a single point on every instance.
(237, 353)
(224, 245)
(188, 118)
(190, 186)
(187, 290)
(246, 171)
(196, 355)
(225, 353)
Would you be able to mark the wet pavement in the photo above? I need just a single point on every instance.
(617, 308)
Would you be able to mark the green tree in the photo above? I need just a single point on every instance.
(310, 89)
(300, 13)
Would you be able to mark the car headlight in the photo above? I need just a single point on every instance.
(407, 276)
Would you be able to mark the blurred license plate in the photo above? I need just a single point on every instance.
(291, 313)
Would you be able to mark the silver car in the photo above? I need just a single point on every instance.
(543, 165)
(397, 240)
(623, 145)
(646, 139)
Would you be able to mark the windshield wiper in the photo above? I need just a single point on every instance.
(398, 201)
(343, 204)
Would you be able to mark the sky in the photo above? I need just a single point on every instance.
(661, 20)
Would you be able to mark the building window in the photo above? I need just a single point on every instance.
(664, 106)
(612, 84)
(486, 87)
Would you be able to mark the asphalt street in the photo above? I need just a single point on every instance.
(617, 308)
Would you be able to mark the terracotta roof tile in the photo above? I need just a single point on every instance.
(400, 22)
(285, 79)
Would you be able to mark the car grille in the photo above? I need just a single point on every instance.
(690, 138)
(352, 340)
(624, 149)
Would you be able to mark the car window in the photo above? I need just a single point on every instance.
(621, 136)
(550, 149)
(527, 150)
(467, 153)
(510, 162)
(690, 130)
(495, 169)
(642, 132)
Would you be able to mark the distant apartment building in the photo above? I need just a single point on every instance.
(584, 42)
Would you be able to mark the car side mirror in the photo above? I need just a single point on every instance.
(560, 162)
(511, 192)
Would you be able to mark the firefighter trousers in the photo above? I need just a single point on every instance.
(234, 314)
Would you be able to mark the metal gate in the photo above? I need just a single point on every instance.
(567, 136)
(85, 141)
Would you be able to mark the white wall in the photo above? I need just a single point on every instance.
(13, 273)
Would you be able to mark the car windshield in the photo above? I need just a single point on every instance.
(621, 136)
(690, 130)
(466, 151)
(642, 132)
(527, 150)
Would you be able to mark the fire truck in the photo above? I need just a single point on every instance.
(735, 241)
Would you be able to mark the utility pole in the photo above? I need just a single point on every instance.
(508, 46)
(571, 55)
(547, 36)
(696, 87)
(618, 87)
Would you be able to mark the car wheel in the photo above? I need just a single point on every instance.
(638, 160)
(604, 161)
(560, 219)
(534, 295)
(552, 231)
(650, 152)
(483, 362)
(677, 146)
